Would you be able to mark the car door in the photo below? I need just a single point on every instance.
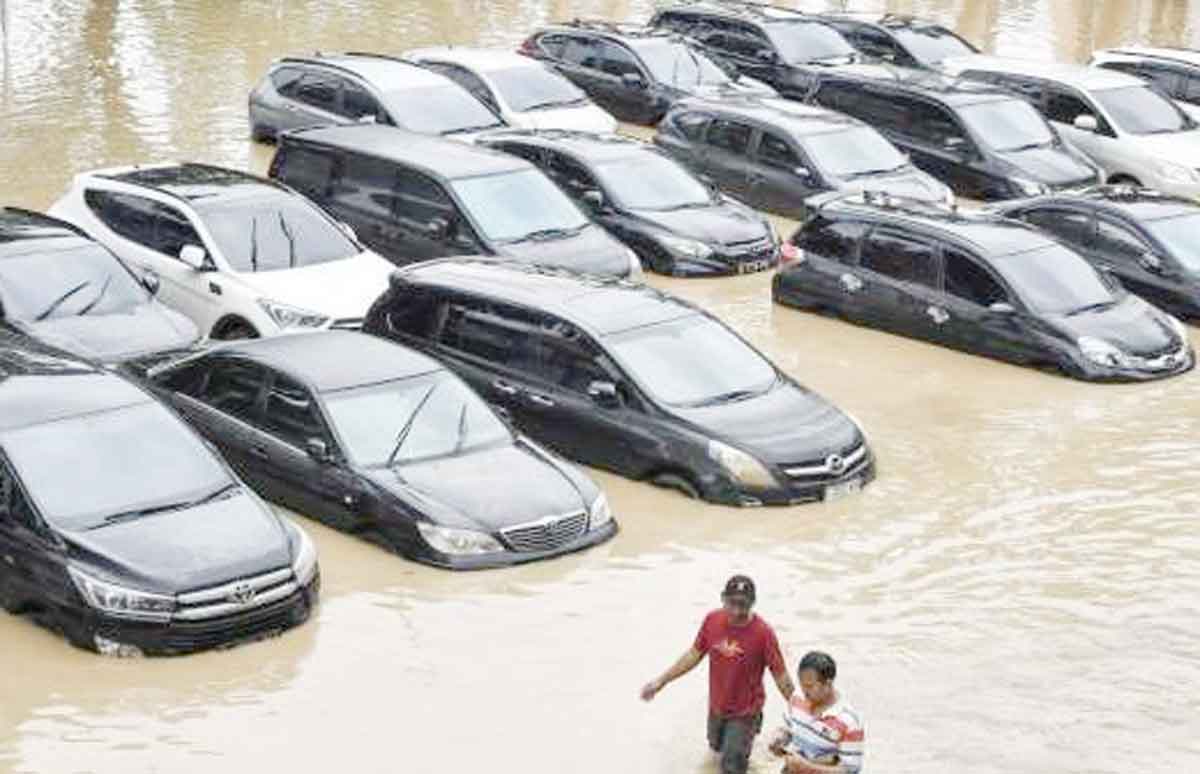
(363, 193)
(32, 562)
(582, 62)
(1140, 268)
(724, 157)
(1062, 105)
(983, 316)
(424, 220)
(312, 100)
(898, 275)
(829, 276)
(633, 97)
(360, 106)
(781, 176)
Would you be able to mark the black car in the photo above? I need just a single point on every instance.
(623, 377)
(412, 197)
(675, 222)
(777, 46)
(774, 154)
(377, 440)
(1149, 240)
(983, 141)
(635, 73)
(122, 529)
(901, 40)
(61, 287)
(980, 283)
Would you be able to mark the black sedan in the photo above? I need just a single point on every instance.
(120, 528)
(675, 222)
(381, 441)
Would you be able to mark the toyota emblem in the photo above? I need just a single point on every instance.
(836, 463)
(242, 594)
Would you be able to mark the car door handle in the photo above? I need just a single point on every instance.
(540, 400)
(260, 452)
(937, 314)
(850, 283)
(504, 387)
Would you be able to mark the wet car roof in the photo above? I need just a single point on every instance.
(1146, 205)
(588, 145)
(791, 116)
(442, 158)
(384, 72)
(1166, 54)
(948, 89)
(1076, 75)
(483, 60)
(605, 305)
(24, 231)
(194, 181)
(39, 390)
(334, 360)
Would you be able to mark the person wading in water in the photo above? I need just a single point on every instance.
(740, 646)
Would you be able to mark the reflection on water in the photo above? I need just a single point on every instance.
(1018, 591)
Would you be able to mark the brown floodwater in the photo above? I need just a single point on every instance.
(1018, 592)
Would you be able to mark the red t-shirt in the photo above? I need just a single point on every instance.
(737, 656)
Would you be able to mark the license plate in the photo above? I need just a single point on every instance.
(842, 489)
(751, 267)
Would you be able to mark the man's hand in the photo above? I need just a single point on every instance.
(651, 689)
(779, 741)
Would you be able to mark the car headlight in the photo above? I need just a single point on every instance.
(289, 317)
(1177, 173)
(458, 542)
(121, 602)
(688, 247)
(1101, 352)
(599, 513)
(1177, 327)
(635, 265)
(744, 468)
(1030, 187)
(304, 565)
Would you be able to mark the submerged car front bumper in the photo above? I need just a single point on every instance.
(792, 490)
(588, 539)
(1158, 368)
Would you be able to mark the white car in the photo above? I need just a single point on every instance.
(1174, 70)
(240, 255)
(1134, 132)
(522, 91)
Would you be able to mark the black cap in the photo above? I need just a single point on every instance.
(739, 586)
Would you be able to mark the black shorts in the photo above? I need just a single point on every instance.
(733, 738)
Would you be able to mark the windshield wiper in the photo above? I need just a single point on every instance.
(138, 513)
(549, 234)
(408, 425)
(1096, 307)
(1027, 146)
(728, 397)
(869, 172)
(462, 429)
(287, 232)
(254, 243)
(59, 301)
(92, 305)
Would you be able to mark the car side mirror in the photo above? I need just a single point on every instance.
(1002, 307)
(318, 450)
(766, 55)
(151, 282)
(1087, 123)
(593, 199)
(633, 81)
(604, 394)
(955, 144)
(804, 173)
(438, 229)
(194, 256)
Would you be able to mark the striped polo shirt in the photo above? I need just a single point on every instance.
(837, 731)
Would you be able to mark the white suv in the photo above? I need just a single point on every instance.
(1174, 70)
(1128, 127)
(240, 255)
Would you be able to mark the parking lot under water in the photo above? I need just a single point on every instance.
(1018, 592)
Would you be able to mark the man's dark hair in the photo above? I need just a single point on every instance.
(739, 586)
(819, 662)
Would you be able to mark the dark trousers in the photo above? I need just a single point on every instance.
(733, 738)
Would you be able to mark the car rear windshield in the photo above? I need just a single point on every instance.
(84, 280)
(648, 181)
(85, 469)
(1054, 280)
(270, 233)
(534, 88)
(1141, 110)
(853, 153)
(444, 109)
(432, 415)
(1180, 236)
(931, 44)
(517, 205)
(804, 41)
(1007, 125)
(674, 63)
(692, 361)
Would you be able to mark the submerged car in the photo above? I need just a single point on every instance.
(775, 154)
(380, 441)
(626, 378)
(906, 41)
(980, 283)
(241, 255)
(64, 289)
(1175, 71)
(119, 526)
(1149, 240)
(675, 222)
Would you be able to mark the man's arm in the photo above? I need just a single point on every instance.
(794, 764)
(783, 681)
(686, 663)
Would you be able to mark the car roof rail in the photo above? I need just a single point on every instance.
(616, 27)
(748, 5)
(374, 55)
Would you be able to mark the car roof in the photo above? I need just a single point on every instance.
(1079, 76)
(592, 146)
(1184, 55)
(749, 11)
(479, 59)
(1141, 204)
(948, 89)
(25, 231)
(333, 360)
(191, 181)
(601, 304)
(887, 21)
(437, 156)
(382, 71)
(625, 32)
(794, 117)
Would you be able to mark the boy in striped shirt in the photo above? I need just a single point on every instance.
(822, 733)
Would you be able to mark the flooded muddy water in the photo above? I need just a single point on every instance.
(1018, 592)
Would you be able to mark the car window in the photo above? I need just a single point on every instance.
(1191, 89)
(1008, 125)
(729, 135)
(285, 79)
(691, 124)
(233, 387)
(1162, 76)
(618, 60)
(1053, 279)
(368, 185)
(837, 240)
(443, 108)
(899, 258)
(472, 83)
(13, 504)
(291, 413)
(419, 199)
(189, 378)
(553, 44)
(569, 173)
(172, 231)
(932, 44)
(308, 170)
(571, 360)
(1064, 106)
(55, 284)
(937, 127)
(358, 104)
(274, 230)
(967, 280)
(415, 313)
(317, 90)
(1118, 242)
(776, 151)
(517, 205)
(884, 111)
(1071, 227)
(496, 333)
(530, 153)
(737, 45)
(672, 62)
(648, 180)
(680, 22)
(876, 43)
(1030, 89)
(133, 217)
(584, 52)
(535, 87)
(1143, 110)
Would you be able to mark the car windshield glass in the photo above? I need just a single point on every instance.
(530, 88)
(431, 415)
(931, 44)
(853, 152)
(1007, 125)
(442, 109)
(805, 41)
(85, 469)
(648, 181)
(693, 361)
(84, 280)
(517, 205)
(1054, 280)
(1141, 110)
(1179, 236)
(280, 231)
(674, 63)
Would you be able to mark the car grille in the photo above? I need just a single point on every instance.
(829, 468)
(760, 253)
(545, 534)
(248, 625)
(235, 597)
(347, 324)
(1167, 359)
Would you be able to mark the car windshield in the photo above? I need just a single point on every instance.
(431, 415)
(518, 205)
(1054, 280)
(1007, 125)
(88, 469)
(805, 41)
(280, 231)
(443, 109)
(676, 64)
(931, 44)
(853, 152)
(1141, 110)
(83, 280)
(531, 88)
(692, 361)
(648, 181)
(1179, 236)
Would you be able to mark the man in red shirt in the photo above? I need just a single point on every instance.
(740, 645)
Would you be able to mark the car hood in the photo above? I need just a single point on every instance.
(1132, 325)
(719, 224)
(789, 424)
(911, 183)
(591, 250)
(741, 87)
(142, 330)
(1054, 166)
(583, 118)
(189, 549)
(484, 490)
(340, 289)
(1177, 147)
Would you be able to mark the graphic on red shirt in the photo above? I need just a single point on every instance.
(728, 648)
(737, 658)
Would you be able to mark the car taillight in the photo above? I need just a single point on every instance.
(528, 48)
(790, 255)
